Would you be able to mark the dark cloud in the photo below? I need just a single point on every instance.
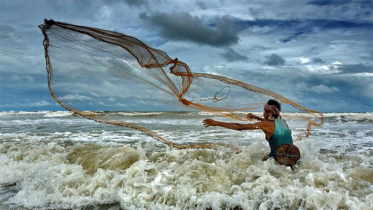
(332, 30)
(184, 27)
(274, 60)
(232, 55)
(332, 24)
(352, 88)
(368, 56)
(328, 2)
(315, 90)
(201, 5)
(354, 68)
(131, 3)
(295, 35)
(302, 26)
(326, 88)
(364, 3)
(318, 60)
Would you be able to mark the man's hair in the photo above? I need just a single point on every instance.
(275, 103)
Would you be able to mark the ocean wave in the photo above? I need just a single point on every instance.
(50, 121)
(138, 113)
(349, 116)
(23, 113)
(58, 114)
(368, 116)
(54, 176)
(44, 113)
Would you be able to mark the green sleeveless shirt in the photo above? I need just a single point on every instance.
(282, 135)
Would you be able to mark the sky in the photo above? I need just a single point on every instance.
(318, 53)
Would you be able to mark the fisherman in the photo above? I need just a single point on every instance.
(276, 130)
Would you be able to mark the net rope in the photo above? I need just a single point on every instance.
(152, 63)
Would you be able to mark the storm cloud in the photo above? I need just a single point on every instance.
(318, 60)
(184, 27)
(354, 68)
(274, 60)
(231, 55)
(317, 52)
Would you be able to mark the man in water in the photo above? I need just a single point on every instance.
(276, 130)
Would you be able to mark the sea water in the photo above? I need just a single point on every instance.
(56, 160)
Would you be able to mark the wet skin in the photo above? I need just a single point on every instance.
(266, 125)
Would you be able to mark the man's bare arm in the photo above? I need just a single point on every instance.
(233, 126)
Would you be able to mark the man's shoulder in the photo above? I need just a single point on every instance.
(265, 123)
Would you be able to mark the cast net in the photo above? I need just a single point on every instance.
(89, 67)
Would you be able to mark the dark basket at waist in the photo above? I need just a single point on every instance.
(286, 154)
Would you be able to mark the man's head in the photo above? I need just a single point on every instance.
(274, 103)
(271, 109)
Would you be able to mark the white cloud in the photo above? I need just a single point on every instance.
(326, 68)
(75, 97)
(39, 103)
(323, 89)
(17, 78)
(317, 69)
(103, 104)
(121, 104)
(33, 104)
(304, 60)
(29, 78)
(106, 12)
(336, 63)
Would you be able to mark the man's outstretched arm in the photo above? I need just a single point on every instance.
(233, 126)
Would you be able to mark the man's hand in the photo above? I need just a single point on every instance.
(251, 116)
(209, 122)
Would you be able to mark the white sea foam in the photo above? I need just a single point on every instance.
(53, 176)
(206, 113)
(58, 114)
(5, 113)
(40, 121)
(86, 163)
(44, 113)
(346, 116)
(97, 137)
(31, 113)
(138, 113)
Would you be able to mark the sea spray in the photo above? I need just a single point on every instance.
(105, 167)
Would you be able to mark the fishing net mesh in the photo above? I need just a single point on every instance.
(89, 67)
